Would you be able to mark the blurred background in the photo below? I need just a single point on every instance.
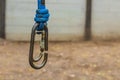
(71, 24)
(71, 20)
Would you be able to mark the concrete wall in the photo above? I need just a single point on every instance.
(66, 21)
(106, 19)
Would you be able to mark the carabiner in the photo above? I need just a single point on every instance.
(43, 48)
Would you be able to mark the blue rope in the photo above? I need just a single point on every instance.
(41, 16)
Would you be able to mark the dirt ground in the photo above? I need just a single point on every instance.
(67, 61)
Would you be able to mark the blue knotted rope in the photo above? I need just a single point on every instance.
(41, 16)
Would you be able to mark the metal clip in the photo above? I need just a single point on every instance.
(43, 47)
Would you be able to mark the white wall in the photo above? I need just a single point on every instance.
(106, 19)
(66, 21)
